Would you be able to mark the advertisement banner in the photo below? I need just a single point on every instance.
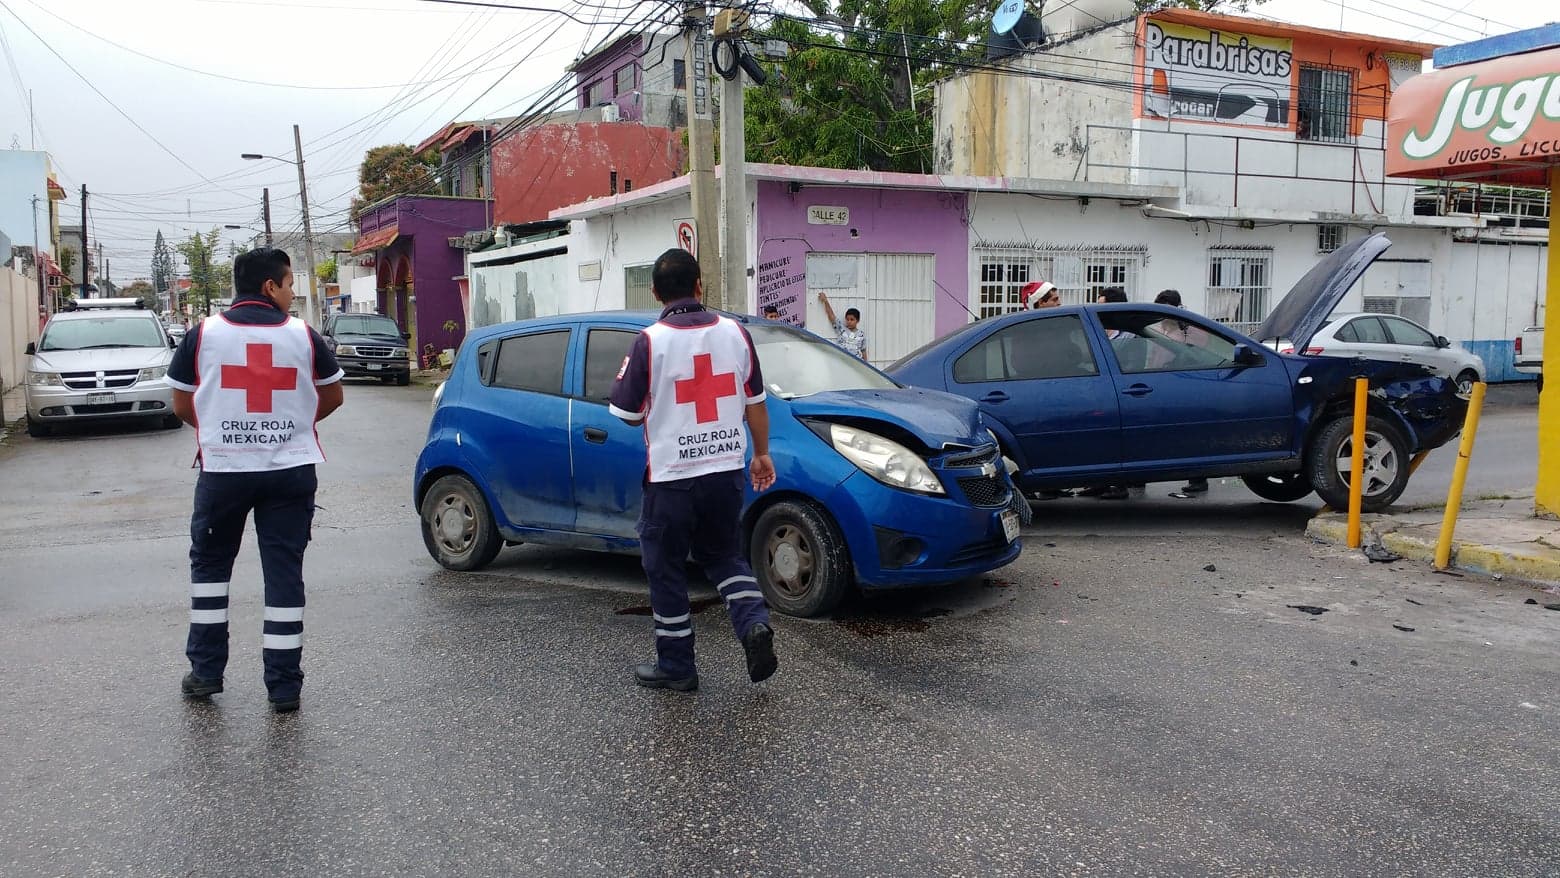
(1208, 76)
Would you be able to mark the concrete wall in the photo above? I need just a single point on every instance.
(18, 325)
(605, 246)
(551, 166)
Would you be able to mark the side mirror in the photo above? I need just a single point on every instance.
(406, 336)
(1441, 342)
(32, 348)
(1246, 356)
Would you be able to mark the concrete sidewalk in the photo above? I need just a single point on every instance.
(1494, 536)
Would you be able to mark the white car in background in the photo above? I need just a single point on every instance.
(1389, 337)
(101, 358)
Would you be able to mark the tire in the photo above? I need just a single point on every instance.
(403, 379)
(1280, 487)
(37, 429)
(1465, 381)
(387, 379)
(171, 422)
(800, 561)
(1540, 382)
(1386, 463)
(457, 526)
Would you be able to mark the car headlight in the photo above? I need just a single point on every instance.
(884, 459)
(399, 353)
(346, 350)
(44, 379)
(152, 374)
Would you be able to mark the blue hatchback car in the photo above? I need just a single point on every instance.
(878, 485)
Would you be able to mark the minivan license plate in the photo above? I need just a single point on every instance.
(100, 399)
(1010, 525)
(375, 367)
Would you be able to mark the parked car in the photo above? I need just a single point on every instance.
(1528, 353)
(1389, 337)
(176, 333)
(878, 485)
(102, 358)
(369, 346)
(1111, 394)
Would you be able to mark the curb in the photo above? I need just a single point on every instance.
(1522, 561)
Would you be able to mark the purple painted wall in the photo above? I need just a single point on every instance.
(883, 221)
(602, 68)
(424, 227)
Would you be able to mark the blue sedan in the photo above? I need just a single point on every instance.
(878, 485)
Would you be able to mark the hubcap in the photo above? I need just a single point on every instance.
(455, 524)
(1381, 463)
(790, 560)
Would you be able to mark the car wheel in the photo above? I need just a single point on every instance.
(1386, 463)
(1279, 487)
(1540, 382)
(386, 379)
(403, 379)
(457, 526)
(171, 422)
(800, 562)
(1465, 381)
(37, 429)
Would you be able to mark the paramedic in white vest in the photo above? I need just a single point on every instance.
(692, 379)
(253, 382)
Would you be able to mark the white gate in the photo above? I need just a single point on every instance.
(896, 293)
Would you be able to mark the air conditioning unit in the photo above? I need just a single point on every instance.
(609, 113)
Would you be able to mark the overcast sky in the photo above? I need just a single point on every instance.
(336, 68)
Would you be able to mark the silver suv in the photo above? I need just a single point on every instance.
(104, 358)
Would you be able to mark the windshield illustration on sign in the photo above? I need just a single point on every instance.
(1205, 75)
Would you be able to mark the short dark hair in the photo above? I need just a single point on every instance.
(1113, 294)
(852, 312)
(674, 275)
(770, 309)
(1168, 297)
(252, 268)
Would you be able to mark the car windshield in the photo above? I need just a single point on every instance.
(796, 363)
(367, 325)
(102, 332)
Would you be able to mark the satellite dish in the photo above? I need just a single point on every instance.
(1006, 16)
(1025, 35)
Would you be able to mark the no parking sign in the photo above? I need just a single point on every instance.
(687, 236)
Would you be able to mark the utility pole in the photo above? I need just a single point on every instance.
(265, 211)
(730, 24)
(315, 317)
(84, 250)
(701, 149)
(43, 285)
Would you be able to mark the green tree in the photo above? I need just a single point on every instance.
(393, 170)
(326, 271)
(209, 279)
(67, 262)
(162, 265)
(142, 290)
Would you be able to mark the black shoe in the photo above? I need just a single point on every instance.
(194, 687)
(1195, 486)
(759, 644)
(1113, 493)
(286, 705)
(650, 676)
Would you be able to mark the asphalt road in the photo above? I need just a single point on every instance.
(1108, 705)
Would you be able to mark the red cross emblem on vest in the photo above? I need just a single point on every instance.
(705, 389)
(258, 378)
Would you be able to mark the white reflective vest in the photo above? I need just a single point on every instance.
(255, 399)
(698, 374)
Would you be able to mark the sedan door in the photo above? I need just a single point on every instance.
(1186, 403)
(1415, 344)
(1040, 378)
(609, 455)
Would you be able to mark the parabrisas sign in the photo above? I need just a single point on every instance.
(1500, 117)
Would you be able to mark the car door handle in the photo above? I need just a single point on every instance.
(995, 396)
(595, 435)
(1138, 390)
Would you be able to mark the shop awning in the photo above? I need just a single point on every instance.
(378, 239)
(56, 191)
(1492, 121)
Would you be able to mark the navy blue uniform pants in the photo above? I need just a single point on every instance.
(698, 517)
(283, 505)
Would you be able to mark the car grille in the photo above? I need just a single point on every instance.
(89, 380)
(372, 351)
(977, 551)
(978, 457)
(113, 408)
(985, 490)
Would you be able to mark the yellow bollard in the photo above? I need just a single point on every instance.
(1413, 465)
(1357, 461)
(1443, 546)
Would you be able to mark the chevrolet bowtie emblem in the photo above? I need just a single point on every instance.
(988, 470)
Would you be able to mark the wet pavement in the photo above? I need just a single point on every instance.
(1105, 706)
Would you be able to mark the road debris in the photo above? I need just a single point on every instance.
(1307, 608)
(1401, 627)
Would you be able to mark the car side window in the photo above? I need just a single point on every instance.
(1147, 341)
(1346, 333)
(1047, 347)
(532, 362)
(1368, 330)
(604, 353)
(1404, 332)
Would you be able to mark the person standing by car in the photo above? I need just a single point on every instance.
(254, 383)
(1158, 357)
(691, 379)
(848, 334)
(1040, 294)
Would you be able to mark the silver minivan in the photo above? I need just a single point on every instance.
(103, 358)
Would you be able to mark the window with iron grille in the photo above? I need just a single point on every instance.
(1240, 286)
(623, 79)
(1326, 104)
(1415, 308)
(1078, 272)
(1329, 237)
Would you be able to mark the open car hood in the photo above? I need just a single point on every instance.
(936, 418)
(1303, 310)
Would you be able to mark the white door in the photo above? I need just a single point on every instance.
(895, 292)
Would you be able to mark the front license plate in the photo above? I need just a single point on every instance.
(100, 399)
(375, 367)
(1010, 525)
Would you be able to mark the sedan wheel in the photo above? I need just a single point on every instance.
(457, 526)
(1279, 487)
(1465, 381)
(1385, 472)
(799, 560)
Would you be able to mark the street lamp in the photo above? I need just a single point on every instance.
(314, 315)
